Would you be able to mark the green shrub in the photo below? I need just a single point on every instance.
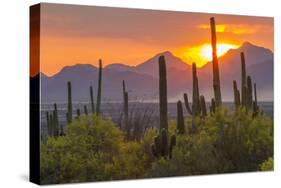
(225, 142)
(83, 153)
(267, 165)
(94, 149)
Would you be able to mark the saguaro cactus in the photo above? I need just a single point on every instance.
(196, 109)
(213, 105)
(180, 118)
(195, 96)
(69, 103)
(243, 80)
(203, 106)
(216, 74)
(56, 121)
(85, 110)
(99, 88)
(236, 95)
(173, 143)
(161, 147)
(163, 104)
(78, 112)
(51, 125)
(249, 93)
(48, 123)
(92, 100)
(126, 110)
(255, 103)
(187, 106)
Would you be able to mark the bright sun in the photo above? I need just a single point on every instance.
(206, 50)
(202, 54)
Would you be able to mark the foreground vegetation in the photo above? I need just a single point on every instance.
(94, 149)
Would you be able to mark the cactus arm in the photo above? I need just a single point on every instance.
(203, 106)
(187, 106)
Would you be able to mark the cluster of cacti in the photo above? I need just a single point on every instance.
(53, 126)
(69, 99)
(216, 74)
(198, 102)
(161, 147)
(99, 88)
(125, 110)
(246, 90)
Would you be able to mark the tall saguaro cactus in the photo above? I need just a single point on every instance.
(69, 103)
(92, 99)
(161, 141)
(99, 88)
(243, 80)
(126, 110)
(180, 118)
(163, 103)
(196, 108)
(195, 96)
(216, 74)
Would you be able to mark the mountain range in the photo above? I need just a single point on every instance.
(142, 80)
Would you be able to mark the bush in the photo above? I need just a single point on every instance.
(224, 143)
(90, 144)
(94, 149)
(267, 165)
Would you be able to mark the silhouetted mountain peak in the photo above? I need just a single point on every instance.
(165, 53)
(119, 67)
(247, 44)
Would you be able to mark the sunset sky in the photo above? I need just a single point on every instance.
(83, 34)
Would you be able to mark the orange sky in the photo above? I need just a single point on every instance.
(83, 34)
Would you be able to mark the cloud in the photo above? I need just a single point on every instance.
(238, 29)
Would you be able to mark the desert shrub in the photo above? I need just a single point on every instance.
(267, 165)
(131, 163)
(224, 142)
(83, 153)
(94, 149)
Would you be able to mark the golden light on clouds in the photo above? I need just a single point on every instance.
(202, 54)
(219, 27)
(237, 29)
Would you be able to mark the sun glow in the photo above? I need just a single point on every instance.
(206, 50)
(202, 54)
